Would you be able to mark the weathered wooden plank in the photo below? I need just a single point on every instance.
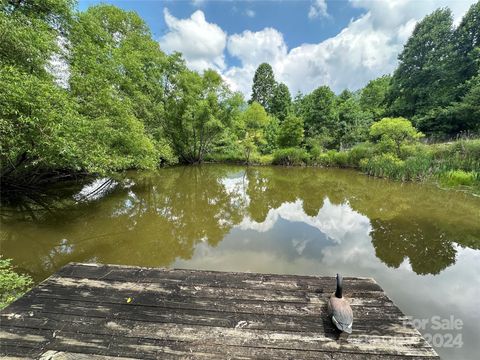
(297, 311)
(81, 314)
(151, 292)
(153, 345)
(215, 278)
(17, 351)
(62, 355)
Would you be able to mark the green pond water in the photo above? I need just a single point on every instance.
(421, 243)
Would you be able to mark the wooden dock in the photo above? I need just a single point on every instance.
(89, 311)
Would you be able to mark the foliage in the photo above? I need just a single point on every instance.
(319, 112)
(426, 71)
(435, 84)
(251, 128)
(29, 30)
(39, 124)
(333, 158)
(467, 43)
(391, 133)
(373, 97)
(383, 165)
(281, 102)
(291, 157)
(34, 132)
(110, 79)
(353, 122)
(459, 178)
(271, 133)
(291, 132)
(12, 284)
(198, 109)
(263, 87)
(462, 155)
(359, 152)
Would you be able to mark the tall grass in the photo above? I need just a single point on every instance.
(459, 178)
(454, 164)
(461, 155)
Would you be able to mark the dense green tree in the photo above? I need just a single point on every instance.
(373, 97)
(252, 129)
(281, 102)
(42, 136)
(426, 75)
(319, 112)
(467, 110)
(198, 109)
(467, 43)
(462, 116)
(40, 129)
(263, 86)
(271, 133)
(116, 70)
(353, 121)
(291, 132)
(297, 104)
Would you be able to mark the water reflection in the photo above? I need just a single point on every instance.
(157, 218)
(284, 220)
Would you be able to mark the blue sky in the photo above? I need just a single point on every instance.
(309, 43)
(288, 16)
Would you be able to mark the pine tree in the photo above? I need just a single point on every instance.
(263, 86)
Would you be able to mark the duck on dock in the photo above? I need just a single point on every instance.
(339, 309)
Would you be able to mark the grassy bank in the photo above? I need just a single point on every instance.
(453, 164)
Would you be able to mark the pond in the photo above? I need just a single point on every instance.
(421, 243)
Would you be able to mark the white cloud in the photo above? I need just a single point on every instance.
(201, 43)
(318, 9)
(253, 48)
(365, 49)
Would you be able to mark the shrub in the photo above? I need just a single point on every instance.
(359, 152)
(459, 178)
(332, 158)
(12, 285)
(340, 158)
(392, 133)
(291, 156)
(326, 158)
(384, 165)
(315, 151)
(258, 159)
